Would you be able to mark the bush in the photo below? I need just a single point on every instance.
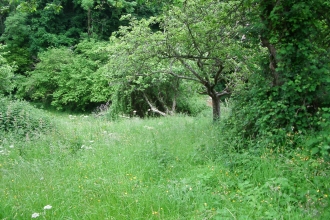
(66, 79)
(192, 105)
(19, 117)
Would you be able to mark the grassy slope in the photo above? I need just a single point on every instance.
(166, 168)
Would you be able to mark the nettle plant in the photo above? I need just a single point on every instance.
(20, 118)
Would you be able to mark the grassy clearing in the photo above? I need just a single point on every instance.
(165, 168)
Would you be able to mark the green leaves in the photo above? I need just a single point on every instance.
(197, 42)
(20, 118)
(139, 72)
(6, 74)
(293, 86)
(87, 4)
(66, 79)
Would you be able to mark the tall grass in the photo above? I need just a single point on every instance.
(163, 168)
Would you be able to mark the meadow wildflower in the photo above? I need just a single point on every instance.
(148, 127)
(35, 215)
(47, 207)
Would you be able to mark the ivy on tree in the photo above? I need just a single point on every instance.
(291, 91)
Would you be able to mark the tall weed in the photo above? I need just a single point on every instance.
(20, 118)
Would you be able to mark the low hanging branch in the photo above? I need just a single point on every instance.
(152, 107)
(168, 111)
(179, 76)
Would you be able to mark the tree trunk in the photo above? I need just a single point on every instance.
(89, 18)
(216, 107)
(272, 61)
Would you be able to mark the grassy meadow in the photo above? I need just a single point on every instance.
(176, 167)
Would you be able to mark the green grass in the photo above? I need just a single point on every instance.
(164, 168)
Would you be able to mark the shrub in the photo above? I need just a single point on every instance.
(67, 79)
(19, 117)
(192, 105)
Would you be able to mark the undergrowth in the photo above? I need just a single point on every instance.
(166, 168)
(20, 119)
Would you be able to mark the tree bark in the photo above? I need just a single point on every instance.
(89, 22)
(268, 7)
(216, 107)
(272, 61)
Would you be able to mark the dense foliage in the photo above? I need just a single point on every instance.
(6, 74)
(204, 38)
(65, 78)
(190, 45)
(30, 27)
(270, 58)
(291, 92)
(265, 154)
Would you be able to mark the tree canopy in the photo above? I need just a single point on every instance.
(191, 44)
(270, 58)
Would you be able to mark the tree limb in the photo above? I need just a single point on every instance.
(179, 76)
(187, 66)
(224, 92)
(217, 75)
(153, 108)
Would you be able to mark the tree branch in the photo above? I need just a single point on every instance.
(192, 57)
(217, 75)
(224, 92)
(179, 76)
(187, 66)
(182, 77)
(153, 108)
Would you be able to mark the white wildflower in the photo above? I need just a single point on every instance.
(148, 127)
(35, 215)
(47, 207)
(86, 147)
